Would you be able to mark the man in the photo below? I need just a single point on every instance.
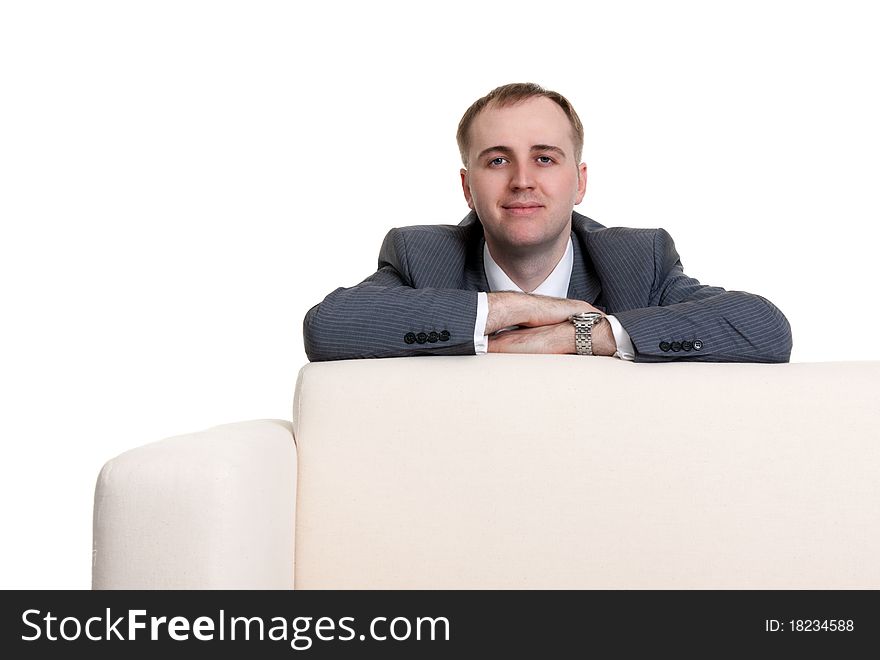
(524, 273)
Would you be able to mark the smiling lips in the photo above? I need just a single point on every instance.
(522, 208)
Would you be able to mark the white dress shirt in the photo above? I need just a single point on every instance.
(555, 285)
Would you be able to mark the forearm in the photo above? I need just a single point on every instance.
(732, 326)
(509, 308)
(556, 339)
(370, 321)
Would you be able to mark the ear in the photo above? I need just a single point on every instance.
(466, 188)
(582, 183)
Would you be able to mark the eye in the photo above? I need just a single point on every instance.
(546, 159)
(494, 161)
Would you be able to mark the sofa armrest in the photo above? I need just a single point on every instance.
(207, 510)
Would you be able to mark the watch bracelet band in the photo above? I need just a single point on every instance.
(583, 331)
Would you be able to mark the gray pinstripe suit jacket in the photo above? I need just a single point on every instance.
(429, 276)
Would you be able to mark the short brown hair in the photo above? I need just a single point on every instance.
(511, 94)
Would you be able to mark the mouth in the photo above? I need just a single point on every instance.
(522, 208)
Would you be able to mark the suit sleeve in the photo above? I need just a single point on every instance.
(704, 323)
(386, 316)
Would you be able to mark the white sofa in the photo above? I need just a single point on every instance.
(514, 471)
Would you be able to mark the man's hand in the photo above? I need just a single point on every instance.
(557, 338)
(509, 308)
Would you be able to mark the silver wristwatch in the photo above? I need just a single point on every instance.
(583, 331)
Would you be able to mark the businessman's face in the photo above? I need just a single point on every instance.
(522, 179)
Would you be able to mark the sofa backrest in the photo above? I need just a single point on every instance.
(529, 471)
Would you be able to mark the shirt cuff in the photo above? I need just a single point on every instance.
(481, 340)
(625, 350)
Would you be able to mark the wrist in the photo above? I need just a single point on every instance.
(497, 317)
(603, 338)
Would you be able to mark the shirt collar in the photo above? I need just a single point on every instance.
(555, 285)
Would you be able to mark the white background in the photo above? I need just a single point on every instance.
(181, 181)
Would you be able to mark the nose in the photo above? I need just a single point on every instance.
(521, 177)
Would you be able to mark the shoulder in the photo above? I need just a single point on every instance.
(429, 250)
(637, 246)
(429, 237)
(437, 237)
(633, 238)
(423, 232)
